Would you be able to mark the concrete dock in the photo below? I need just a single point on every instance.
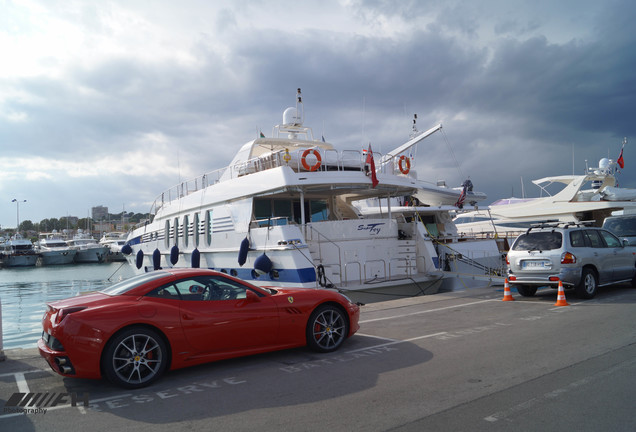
(463, 360)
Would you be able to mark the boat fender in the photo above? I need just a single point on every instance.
(315, 166)
(174, 255)
(140, 259)
(196, 258)
(404, 164)
(156, 259)
(126, 249)
(263, 265)
(242, 256)
(322, 278)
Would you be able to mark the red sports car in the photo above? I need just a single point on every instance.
(137, 329)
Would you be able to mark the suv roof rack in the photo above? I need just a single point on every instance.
(556, 224)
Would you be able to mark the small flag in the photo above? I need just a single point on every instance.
(620, 161)
(323, 138)
(262, 135)
(371, 163)
(462, 198)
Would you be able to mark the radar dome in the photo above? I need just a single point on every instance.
(291, 117)
(603, 163)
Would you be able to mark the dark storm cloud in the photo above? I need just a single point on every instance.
(522, 89)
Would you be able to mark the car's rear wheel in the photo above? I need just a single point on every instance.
(526, 290)
(588, 286)
(135, 358)
(327, 328)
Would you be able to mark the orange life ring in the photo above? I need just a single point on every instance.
(315, 166)
(404, 170)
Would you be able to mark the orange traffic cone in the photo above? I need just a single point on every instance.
(561, 296)
(507, 295)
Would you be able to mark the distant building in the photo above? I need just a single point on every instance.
(100, 213)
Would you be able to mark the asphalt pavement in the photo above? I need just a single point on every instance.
(456, 361)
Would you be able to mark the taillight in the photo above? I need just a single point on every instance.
(507, 260)
(568, 258)
(61, 313)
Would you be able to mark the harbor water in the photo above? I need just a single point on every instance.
(24, 292)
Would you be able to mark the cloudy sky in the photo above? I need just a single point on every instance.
(109, 103)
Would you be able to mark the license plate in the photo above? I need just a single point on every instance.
(535, 264)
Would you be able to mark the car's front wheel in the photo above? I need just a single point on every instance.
(327, 328)
(588, 286)
(526, 290)
(135, 358)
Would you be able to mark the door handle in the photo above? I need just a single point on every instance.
(187, 317)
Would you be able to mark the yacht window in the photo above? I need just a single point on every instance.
(176, 231)
(282, 208)
(319, 211)
(186, 230)
(195, 229)
(208, 227)
(262, 209)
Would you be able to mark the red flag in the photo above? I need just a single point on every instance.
(620, 161)
(371, 163)
(461, 199)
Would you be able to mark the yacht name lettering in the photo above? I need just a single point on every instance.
(373, 228)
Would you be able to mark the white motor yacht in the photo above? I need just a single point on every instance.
(17, 252)
(115, 241)
(53, 249)
(281, 214)
(87, 248)
(592, 196)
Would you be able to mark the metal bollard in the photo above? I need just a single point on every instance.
(2, 356)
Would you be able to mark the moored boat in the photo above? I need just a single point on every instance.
(17, 252)
(588, 197)
(87, 249)
(281, 214)
(53, 249)
(115, 241)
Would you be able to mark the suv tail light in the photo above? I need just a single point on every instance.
(507, 260)
(568, 258)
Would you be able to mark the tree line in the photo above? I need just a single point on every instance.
(48, 225)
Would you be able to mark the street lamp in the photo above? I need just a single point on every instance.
(17, 203)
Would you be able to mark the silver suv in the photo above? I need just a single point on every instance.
(579, 256)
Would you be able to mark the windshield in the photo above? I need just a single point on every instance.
(621, 226)
(125, 286)
(545, 240)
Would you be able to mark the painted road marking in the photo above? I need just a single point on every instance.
(427, 311)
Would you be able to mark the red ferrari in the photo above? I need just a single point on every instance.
(137, 329)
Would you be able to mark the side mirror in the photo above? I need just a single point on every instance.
(625, 242)
(251, 297)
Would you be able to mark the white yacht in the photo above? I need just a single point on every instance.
(53, 249)
(87, 248)
(115, 241)
(592, 196)
(281, 214)
(17, 252)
